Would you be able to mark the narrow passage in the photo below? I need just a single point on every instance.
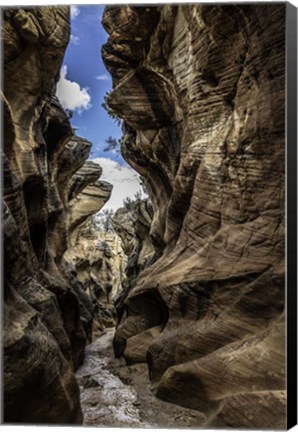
(116, 395)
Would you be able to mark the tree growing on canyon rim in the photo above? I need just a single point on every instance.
(103, 220)
(113, 145)
(111, 113)
(132, 204)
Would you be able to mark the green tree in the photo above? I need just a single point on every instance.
(111, 113)
(104, 220)
(131, 204)
(107, 219)
(112, 145)
(128, 203)
(138, 196)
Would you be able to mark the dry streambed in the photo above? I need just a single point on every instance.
(116, 395)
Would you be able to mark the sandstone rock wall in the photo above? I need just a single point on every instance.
(99, 263)
(132, 225)
(47, 314)
(201, 91)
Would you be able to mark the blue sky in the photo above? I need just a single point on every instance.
(83, 83)
(83, 65)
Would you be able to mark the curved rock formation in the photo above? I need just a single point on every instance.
(132, 224)
(99, 263)
(47, 314)
(201, 91)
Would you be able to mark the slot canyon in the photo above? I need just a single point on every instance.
(175, 316)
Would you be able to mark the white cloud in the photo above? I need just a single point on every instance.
(124, 179)
(103, 77)
(71, 95)
(74, 11)
(74, 39)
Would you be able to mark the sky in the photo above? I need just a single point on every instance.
(83, 83)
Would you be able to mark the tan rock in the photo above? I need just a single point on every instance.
(202, 99)
(47, 314)
(99, 262)
(88, 202)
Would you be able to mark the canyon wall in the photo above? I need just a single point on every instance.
(99, 263)
(132, 225)
(48, 191)
(200, 90)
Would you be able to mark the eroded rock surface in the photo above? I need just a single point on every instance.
(99, 263)
(132, 224)
(201, 91)
(47, 314)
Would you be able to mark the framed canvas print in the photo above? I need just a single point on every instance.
(149, 206)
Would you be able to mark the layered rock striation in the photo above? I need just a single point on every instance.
(132, 225)
(200, 89)
(46, 181)
(99, 263)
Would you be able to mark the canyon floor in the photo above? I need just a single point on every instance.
(116, 395)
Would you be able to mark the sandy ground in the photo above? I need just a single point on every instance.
(116, 395)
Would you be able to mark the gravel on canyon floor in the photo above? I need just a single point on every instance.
(116, 395)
